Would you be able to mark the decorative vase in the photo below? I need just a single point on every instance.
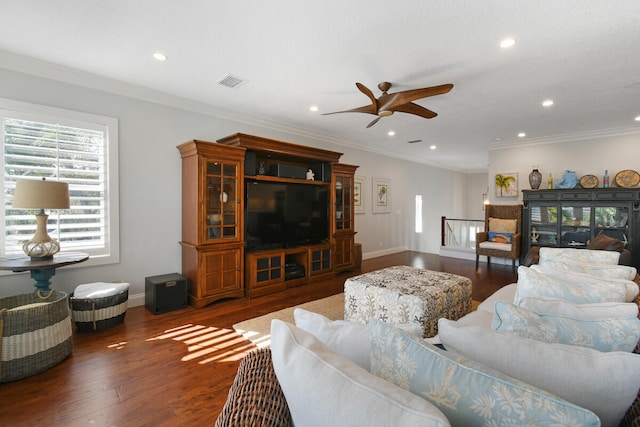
(535, 179)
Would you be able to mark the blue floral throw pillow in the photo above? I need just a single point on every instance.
(468, 393)
(500, 237)
(600, 334)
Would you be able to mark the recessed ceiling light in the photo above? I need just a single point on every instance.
(498, 139)
(433, 147)
(160, 56)
(391, 133)
(637, 119)
(313, 108)
(507, 43)
(547, 103)
(522, 135)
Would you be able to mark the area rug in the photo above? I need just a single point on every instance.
(258, 329)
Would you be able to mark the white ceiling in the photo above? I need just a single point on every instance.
(583, 54)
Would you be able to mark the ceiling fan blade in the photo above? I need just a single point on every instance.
(374, 122)
(370, 109)
(416, 109)
(392, 101)
(368, 92)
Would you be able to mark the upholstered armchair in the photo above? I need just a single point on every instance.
(502, 234)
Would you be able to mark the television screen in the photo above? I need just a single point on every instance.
(281, 214)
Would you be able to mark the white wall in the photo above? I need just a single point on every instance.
(150, 182)
(585, 157)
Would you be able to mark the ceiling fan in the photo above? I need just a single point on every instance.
(389, 103)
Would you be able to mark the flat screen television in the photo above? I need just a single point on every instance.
(281, 214)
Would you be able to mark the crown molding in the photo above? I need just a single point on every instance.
(569, 137)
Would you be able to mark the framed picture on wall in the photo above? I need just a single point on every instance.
(507, 184)
(358, 194)
(380, 195)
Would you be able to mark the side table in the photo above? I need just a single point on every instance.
(42, 270)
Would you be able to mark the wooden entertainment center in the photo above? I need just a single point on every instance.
(215, 257)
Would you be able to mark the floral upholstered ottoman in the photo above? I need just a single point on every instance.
(402, 295)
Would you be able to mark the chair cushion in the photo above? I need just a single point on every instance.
(493, 245)
(503, 225)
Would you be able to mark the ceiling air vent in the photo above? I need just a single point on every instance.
(413, 141)
(231, 81)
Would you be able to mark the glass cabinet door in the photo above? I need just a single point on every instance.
(544, 225)
(221, 199)
(575, 226)
(343, 214)
(612, 221)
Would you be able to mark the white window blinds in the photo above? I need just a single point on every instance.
(76, 152)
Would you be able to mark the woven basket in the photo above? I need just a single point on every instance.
(34, 339)
(98, 314)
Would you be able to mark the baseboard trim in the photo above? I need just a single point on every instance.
(384, 252)
(136, 300)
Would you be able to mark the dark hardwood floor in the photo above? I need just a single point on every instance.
(175, 369)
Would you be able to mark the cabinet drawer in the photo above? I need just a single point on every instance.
(576, 195)
(540, 195)
(621, 195)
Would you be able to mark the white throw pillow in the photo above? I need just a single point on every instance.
(580, 279)
(580, 311)
(323, 388)
(604, 271)
(605, 383)
(583, 255)
(348, 339)
(532, 283)
(467, 392)
(600, 334)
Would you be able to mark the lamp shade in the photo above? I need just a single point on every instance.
(41, 194)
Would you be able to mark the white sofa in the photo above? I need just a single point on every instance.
(338, 373)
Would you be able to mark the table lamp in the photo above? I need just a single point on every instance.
(41, 194)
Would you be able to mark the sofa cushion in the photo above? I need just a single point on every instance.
(323, 388)
(506, 293)
(467, 392)
(601, 334)
(580, 311)
(532, 283)
(605, 383)
(603, 271)
(583, 255)
(581, 278)
(348, 339)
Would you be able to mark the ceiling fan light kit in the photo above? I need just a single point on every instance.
(389, 103)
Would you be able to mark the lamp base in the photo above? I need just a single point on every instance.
(41, 246)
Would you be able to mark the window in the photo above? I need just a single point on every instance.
(418, 225)
(77, 148)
